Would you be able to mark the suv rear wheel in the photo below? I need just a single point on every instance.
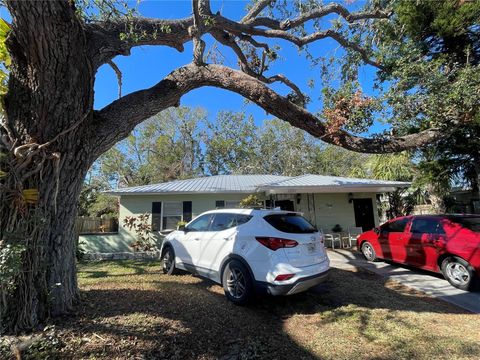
(459, 273)
(237, 283)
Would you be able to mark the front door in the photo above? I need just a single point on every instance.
(286, 205)
(364, 218)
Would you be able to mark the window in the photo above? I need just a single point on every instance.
(223, 222)
(395, 226)
(427, 226)
(187, 211)
(172, 214)
(156, 215)
(471, 223)
(290, 223)
(201, 223)
(243, 219)
(231, 204)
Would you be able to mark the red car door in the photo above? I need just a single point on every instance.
(425, 242)
(391, 239)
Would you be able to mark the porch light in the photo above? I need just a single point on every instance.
(350, 198)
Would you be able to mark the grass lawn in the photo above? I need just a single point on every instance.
(130, 310)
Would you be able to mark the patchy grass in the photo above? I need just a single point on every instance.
(130, 310)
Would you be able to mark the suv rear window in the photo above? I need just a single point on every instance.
(471, 223)
(290, 223)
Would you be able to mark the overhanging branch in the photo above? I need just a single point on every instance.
(117, 119)
(111, 38)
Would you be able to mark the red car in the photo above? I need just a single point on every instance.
(449, 244)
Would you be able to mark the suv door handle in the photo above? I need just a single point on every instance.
(196, 239)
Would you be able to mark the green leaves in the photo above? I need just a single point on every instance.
(4, 55)
(4, 59)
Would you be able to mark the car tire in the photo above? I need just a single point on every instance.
(368, 251)
(237, 283)
(168, 261)
(459, 273)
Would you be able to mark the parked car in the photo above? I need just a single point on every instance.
(249, 251)
(448, 244)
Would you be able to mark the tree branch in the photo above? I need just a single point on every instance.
(118, 73)
(241, 29)
(196, 31)
(253, 42)
(227, 40)
(333, 8)
(111, 38)
(255, 10)
(116, 120)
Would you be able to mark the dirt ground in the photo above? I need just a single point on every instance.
(130, 310)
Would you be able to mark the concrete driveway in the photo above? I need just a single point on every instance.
(426, 282)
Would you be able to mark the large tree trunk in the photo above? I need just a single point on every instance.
(50, 96)
(47, 283)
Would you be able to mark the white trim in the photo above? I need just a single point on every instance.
(118, 193)
(163, 212)
(329, 189)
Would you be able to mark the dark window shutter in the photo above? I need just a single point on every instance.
(220, 204)
(156, 215)
(187, 211)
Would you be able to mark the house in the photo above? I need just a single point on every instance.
(325, 200)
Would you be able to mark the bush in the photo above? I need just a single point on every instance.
(142, 228)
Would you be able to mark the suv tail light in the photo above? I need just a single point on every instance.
(284, 277)
(274, 243)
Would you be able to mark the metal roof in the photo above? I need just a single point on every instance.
(268, 183)
(208, 184)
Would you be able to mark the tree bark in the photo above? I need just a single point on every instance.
(50, 95)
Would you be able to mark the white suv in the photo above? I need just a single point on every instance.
(248, 251)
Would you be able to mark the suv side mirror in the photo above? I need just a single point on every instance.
(376, 230)
(181, 228)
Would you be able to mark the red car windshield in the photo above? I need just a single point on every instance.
(471, 223)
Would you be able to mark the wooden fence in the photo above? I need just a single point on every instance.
(92, 225)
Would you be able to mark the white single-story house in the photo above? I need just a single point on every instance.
(325, 200)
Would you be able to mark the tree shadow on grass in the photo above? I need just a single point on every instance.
(183, 317)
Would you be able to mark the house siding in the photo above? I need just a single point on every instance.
(332, 209)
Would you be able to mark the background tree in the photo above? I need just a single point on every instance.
(398, 167)
(443, 90)
(229, 144)
(51, 134)
(165, 147)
